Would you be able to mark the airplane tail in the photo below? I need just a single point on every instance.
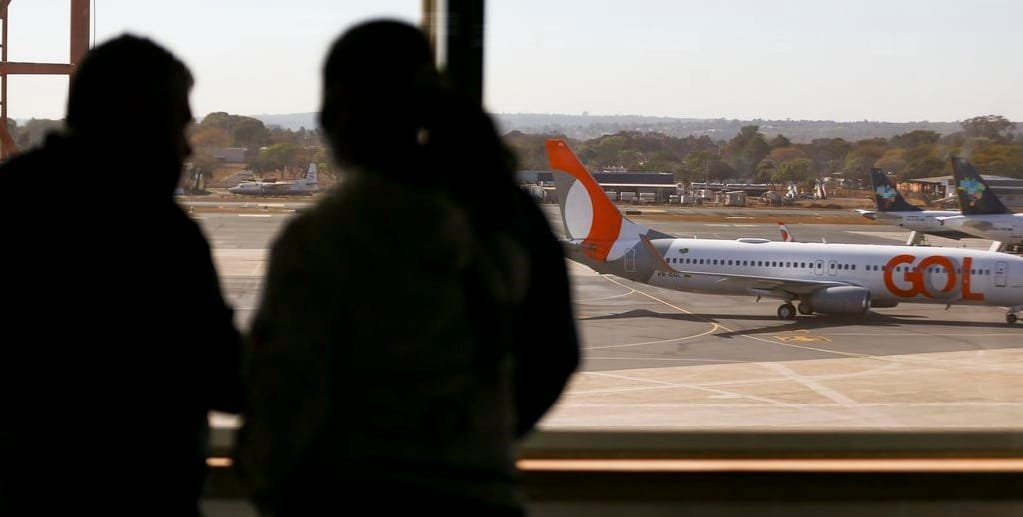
(590, 219)
(786, 235)
(886, 196)
(975, 197)
(310, 176)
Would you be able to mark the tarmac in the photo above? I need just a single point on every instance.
(663, 360)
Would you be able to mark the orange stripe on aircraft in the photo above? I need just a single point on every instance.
(607, 221)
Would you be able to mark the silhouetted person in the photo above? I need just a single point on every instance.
(116, 337)
(416, 323)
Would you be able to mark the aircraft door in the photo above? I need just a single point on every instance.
(818, 268)
(1000, 273)
(832, 267)
(630, 261)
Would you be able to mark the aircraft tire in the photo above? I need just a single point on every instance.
(805, 308)
(1011, 318)
(786, 311)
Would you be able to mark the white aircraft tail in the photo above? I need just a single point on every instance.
(310, 176)
(591, 220)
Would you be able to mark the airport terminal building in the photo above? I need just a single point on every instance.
(638, 187)
(1009, 190)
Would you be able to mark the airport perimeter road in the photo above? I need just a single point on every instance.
(665, 360)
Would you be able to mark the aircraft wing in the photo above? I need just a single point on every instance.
(768, 284)
(981, 226)
(763, 285)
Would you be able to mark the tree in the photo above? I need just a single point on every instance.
(779, 141)
(893, 160)
(995, 158)
(209, 137)
(281, 157)
(863, 156)
(784, 154)
(245, 131)
(914, 138)
(744, 151)
(250, 133)
(827, 154)
(34, 132)
(798, 170)
(995, 127)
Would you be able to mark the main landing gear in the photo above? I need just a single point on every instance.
(805, 308)
(1010, 317)
(787, 311)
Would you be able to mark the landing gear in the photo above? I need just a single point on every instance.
(805, 308)
(1010, 317)
(786, 311)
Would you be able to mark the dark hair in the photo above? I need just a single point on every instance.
(125, 83)
(387, 108)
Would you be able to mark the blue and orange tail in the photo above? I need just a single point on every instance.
(975, 197)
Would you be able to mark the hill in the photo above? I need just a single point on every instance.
(591, 126)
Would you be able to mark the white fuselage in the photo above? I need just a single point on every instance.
(271, 188)
(1006, 228)
(892, 274)
(925, 221)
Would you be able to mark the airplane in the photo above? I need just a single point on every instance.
(893, 209)
(836, 279)
(303, 187)
(983, 214)
(786, 234)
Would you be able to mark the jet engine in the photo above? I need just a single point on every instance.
(845, 299)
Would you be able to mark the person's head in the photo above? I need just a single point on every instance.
(129, 97)
(378, 82)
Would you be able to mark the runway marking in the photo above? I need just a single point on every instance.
(730, 394)
(831, 394)
(667, 359)
(803, 339)
(902, 334)
(726, 329)
(254, 215)
(887, 369)
(934, 363)
(606, 297)
(808, 404)
(658, 342)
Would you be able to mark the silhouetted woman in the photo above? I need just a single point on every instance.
(417, 323)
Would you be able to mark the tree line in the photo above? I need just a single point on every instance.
(269, 150)
(989, 141)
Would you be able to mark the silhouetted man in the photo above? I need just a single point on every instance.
(116, 337)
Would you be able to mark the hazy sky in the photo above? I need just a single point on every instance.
(895, 60)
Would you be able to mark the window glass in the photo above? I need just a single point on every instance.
(666, 87)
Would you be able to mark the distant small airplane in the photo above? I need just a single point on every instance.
(308, 185)
(786, 234)
(844, 279)
(983, 214)
(893, 209)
